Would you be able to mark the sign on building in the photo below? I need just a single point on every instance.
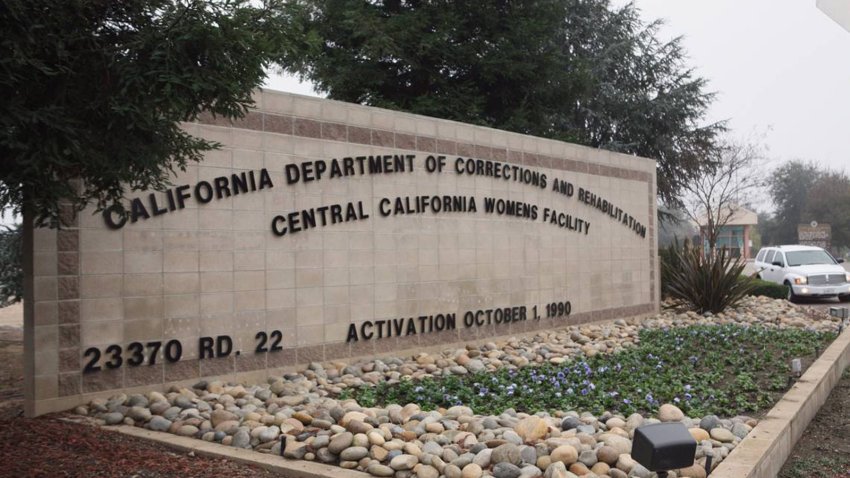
(814, 234)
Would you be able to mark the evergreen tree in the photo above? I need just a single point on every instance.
(789, 188)
(828, 202)
(95, 90)
(576, 70)
(11, 271)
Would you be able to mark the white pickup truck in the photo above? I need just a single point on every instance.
(806, 271)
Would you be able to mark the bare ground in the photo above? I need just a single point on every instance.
(50, 447)
(12, 315)
(11, 361)
(824, 449)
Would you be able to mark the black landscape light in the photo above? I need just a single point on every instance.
(662, 447)
(839, 312)
(842, 313)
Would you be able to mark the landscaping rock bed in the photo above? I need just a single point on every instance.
(303, 414)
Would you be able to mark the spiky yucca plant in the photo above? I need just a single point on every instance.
(706, 282)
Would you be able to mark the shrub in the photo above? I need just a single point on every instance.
(706, 282)
(11, 270)
(766, 289)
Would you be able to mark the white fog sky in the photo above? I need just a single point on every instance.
(781, 69)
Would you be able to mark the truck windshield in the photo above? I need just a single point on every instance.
(805, 258)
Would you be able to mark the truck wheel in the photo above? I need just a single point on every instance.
(844, 298)
(789, 293)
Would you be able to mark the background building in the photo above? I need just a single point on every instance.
(736, 235)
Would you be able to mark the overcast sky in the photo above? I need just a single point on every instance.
(781, 69)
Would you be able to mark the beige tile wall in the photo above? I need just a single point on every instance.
(216, 269)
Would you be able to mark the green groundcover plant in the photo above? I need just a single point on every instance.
(725, 370)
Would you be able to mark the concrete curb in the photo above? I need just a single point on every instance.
(273, 463)
(763, 452)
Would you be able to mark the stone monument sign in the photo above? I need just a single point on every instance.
(324, 230)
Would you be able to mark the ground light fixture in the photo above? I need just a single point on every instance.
(796, 367)
(796, 370)
(661, 447)
(842, 313)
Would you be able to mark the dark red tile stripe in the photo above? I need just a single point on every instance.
(308, 128)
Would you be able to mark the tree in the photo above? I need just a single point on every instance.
(828, 202)
(636, 95)
(485, 63)
(95, 90)
(675, 227)
(789, 187)
(11, 272)
(716, 197)
(577, 70)
(767, 228)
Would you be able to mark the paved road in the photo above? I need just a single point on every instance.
(12, 315)
(11, 333)
(822, 304)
